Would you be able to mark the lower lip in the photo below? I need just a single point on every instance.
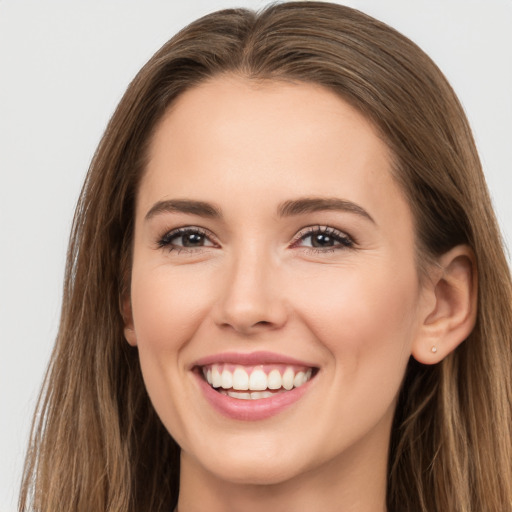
(251, 410)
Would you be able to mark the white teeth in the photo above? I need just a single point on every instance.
(274, 380)
(241, 396)
(227, 379)
(256, 395)
(258, 380)
(288, 376)
(299, 379)
(216, 377)
(240, 379)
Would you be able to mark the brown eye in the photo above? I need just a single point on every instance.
(187, 238)
(192, 240)
(324, 238)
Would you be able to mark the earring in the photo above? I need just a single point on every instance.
(434, 349)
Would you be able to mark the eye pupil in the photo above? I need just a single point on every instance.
(193, 240)
(321, 240)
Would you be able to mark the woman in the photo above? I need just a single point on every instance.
(285, 285)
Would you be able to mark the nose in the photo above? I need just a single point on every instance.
(252, 298)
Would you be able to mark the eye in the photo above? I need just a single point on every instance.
(323, 238)
(187, 238)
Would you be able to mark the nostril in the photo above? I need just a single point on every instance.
(249, 327)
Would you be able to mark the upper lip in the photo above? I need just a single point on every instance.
(250, 359)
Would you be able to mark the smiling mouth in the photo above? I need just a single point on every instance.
(255, 382)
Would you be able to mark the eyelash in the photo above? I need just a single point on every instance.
(166, 242)
(342, 240)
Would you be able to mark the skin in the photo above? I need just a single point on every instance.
(356, 313)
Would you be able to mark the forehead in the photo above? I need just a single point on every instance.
(241, 140)
(233, 108)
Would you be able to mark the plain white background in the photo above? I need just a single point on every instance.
(63, 68)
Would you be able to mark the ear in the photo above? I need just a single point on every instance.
(449, 311)
(126, 312)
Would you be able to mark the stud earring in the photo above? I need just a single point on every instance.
(434, 349)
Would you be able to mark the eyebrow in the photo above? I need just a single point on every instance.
(316, 204)
(286, 209)
(200, 208)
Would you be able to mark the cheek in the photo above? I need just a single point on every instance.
(365, 320)
(365, 317)
(167, 307)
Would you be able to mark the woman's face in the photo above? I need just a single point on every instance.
(272, 249)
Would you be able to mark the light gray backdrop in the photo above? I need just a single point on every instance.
(64, 66)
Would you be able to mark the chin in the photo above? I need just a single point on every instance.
(256, 472)
(253, 466)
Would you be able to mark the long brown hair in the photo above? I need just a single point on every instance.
(97, 443)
